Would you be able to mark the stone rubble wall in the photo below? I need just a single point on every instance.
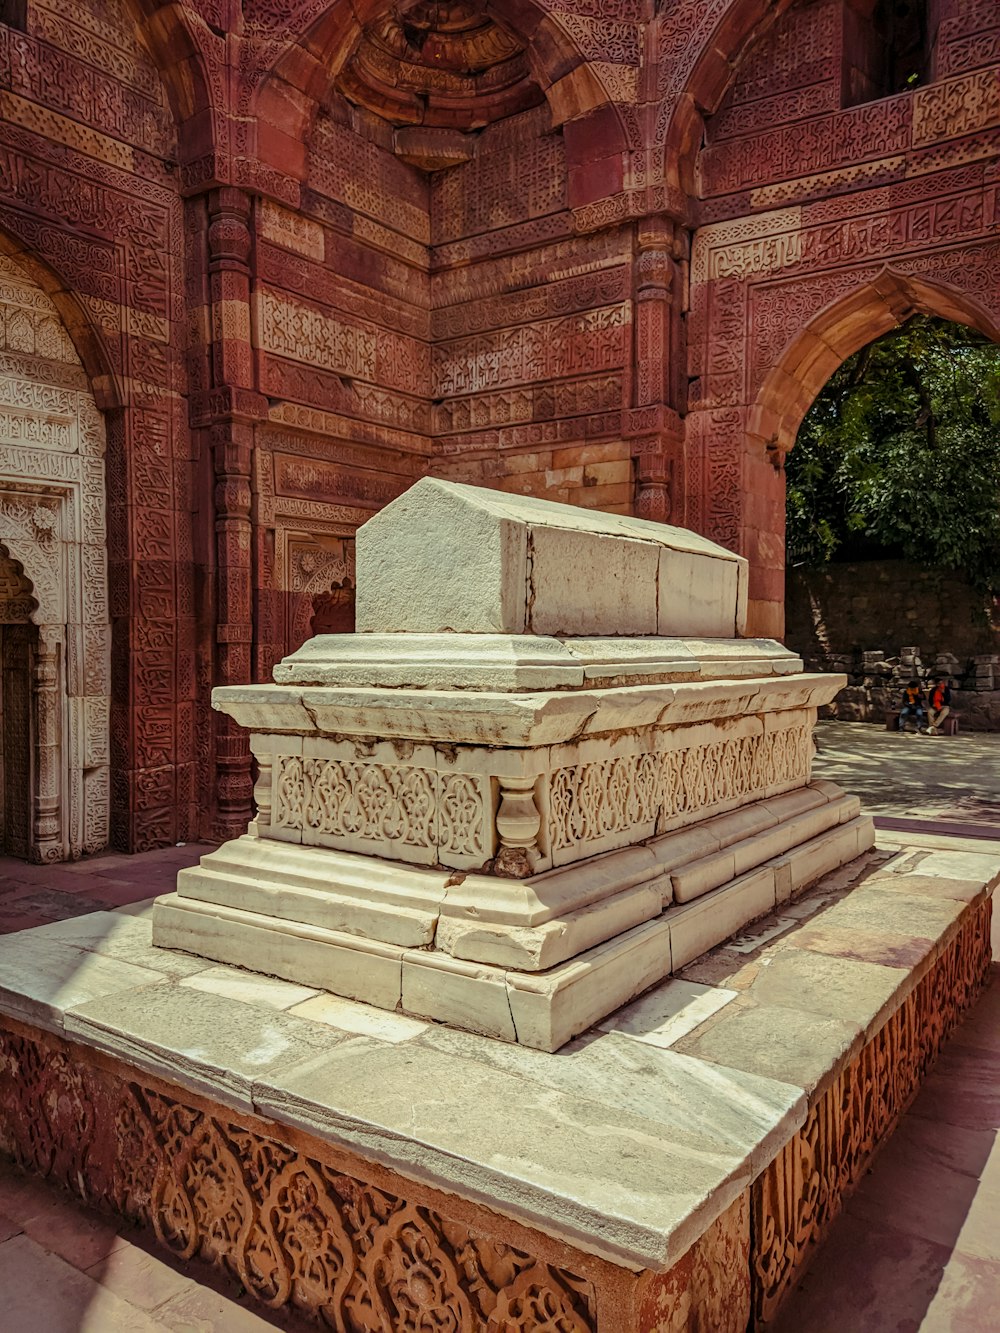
(884, 623)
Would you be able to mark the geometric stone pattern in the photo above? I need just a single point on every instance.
(671, 231)
(355, 804)
(418, 814)
(588, 802)
(795, 1201)
(294, 1229)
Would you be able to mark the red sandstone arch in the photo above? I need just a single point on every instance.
(706, 69)
(84, 334)
(296, 86)
(843, 328)
(175, 38)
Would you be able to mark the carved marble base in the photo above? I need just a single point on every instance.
(533, 961)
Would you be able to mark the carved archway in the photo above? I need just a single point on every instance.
(52, 524)
(320, 575)
(837, 332)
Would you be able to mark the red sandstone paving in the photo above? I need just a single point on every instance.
(38, 895)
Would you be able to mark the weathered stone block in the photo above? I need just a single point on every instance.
(447, 557)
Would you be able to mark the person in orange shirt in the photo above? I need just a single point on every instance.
(939, 705)
(912, 705)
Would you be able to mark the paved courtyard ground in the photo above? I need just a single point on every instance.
(917, 1249)
(952, 782)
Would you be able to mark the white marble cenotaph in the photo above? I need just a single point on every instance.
(545, 772)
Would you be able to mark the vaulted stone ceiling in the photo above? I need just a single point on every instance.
(447, 65)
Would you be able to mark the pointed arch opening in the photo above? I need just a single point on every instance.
(843, 328)
(54, 616)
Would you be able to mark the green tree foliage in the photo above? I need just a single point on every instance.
(900, 455)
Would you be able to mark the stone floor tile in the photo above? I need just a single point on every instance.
(129, 939)
(250, 987)
(142, 907)
(910, 776)
(972, 1152)
(60, 1224)
(962, 1089)
(653, 1195)
(668, 1012)
(363, 1019)
(839, 988)
(109, 895)
(44, 978)
(866, 1279)
(55, 904)
(884, 948)
(213, 1044)
(8, 1228)
(21, 1194)
(967, 1299)
(933, 1202)
(12, 925)
(785, 1044)
(41, 1293)
(199, 1309)
(140, 1277)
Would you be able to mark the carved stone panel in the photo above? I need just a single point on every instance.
(54, 572)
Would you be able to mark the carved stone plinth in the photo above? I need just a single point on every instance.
(672, 1170)
(517, 797)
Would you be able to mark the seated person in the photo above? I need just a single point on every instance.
(938, 705)
(913, 705)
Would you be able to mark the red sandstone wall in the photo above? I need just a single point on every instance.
(286, 322)
(90, 204)
(806, 199)
(531, 326)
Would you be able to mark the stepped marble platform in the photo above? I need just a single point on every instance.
(546, 772)
(672, 1168)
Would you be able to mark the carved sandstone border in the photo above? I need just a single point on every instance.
(796, 1200)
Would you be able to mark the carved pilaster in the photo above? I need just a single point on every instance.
(47, 834)
(229, 414)
(654, 421)
(518, 825)
(654, 285)
(262, 791)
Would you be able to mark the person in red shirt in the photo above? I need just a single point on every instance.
(938, 705)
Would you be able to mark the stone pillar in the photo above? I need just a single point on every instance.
(233, 406)
(654, 423)
(47, 840)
